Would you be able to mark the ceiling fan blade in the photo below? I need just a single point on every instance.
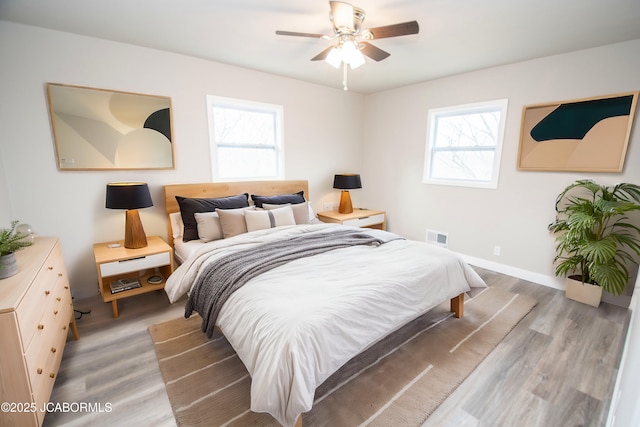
(373, 52)
(341, 15)
(322, 55)
(293, 33)
(395, 30)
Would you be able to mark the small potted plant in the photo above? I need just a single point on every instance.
(10, 242)
(594, 239)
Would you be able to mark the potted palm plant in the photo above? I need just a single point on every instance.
(594, 239)
(10, 242)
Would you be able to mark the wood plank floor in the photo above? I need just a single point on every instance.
(556, 368)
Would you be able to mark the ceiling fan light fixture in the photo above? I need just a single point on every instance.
(351, 55)
(352, 39)
(334, 58)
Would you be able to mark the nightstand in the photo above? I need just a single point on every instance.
(358, 218)
(114, 263)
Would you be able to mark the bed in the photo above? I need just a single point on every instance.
(296, 323)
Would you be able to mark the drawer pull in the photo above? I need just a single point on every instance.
(50, 267)
(39, 371)
(132, 259)
(55, 312)
(47, 292)
(66, 286)
(52, 375)
(59, 274)
(58, 299)
(41, 326)
(53, 350)
(64, 327)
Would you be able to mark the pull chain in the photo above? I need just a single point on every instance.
(344, 76)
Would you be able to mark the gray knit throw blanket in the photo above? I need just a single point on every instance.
(221, 278)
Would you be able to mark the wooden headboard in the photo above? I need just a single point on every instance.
(224, 189)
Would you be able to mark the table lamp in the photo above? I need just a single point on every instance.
(346, 182)
(130, 196)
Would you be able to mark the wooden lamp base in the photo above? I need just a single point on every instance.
(345, 202)
(134, 237)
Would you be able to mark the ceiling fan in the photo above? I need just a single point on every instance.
(352, 41)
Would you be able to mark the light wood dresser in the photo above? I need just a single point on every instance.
(35, 315)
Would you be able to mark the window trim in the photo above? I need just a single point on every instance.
(241, 104)
(435, 113)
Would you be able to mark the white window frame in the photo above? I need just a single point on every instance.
(435, 114)
(250, 106)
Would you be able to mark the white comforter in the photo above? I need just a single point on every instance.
(297, 324)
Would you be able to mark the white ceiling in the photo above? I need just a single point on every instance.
(455, 36)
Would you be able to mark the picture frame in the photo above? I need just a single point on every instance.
(583, 135)
(101, 129)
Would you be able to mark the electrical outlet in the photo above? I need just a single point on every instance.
(496, 250)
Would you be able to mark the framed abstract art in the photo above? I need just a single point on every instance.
(585, 135)
(97, 129)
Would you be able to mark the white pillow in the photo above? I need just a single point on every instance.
(301, 212)
(259, 220)
(209, 227)
(312, 215)
(176, 224)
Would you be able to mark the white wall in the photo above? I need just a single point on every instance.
(322, 133)
(6, 213)
(515, 215)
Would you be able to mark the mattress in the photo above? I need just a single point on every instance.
(183, 250)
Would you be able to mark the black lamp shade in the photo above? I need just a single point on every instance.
(347, 181)
(128, 195)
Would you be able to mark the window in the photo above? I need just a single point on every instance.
(245, 139)
(464, 144)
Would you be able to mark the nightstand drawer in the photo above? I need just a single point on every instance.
(135, 264)
(366, 221)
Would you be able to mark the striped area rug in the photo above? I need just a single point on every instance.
(398, 382)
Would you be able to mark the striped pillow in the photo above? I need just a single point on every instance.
(261, 219)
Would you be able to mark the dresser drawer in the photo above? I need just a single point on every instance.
(134, 264)
(49, 284)
(54, 316)
(45, 352)
(366, 221)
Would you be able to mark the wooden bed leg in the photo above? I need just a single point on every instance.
(457, 306)
(299, 421)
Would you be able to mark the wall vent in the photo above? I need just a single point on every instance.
(437, 238)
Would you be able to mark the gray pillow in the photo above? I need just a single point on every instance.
(281, 199)
(189, 206)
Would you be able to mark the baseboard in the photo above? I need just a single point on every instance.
(541, 279)
(530, 276)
